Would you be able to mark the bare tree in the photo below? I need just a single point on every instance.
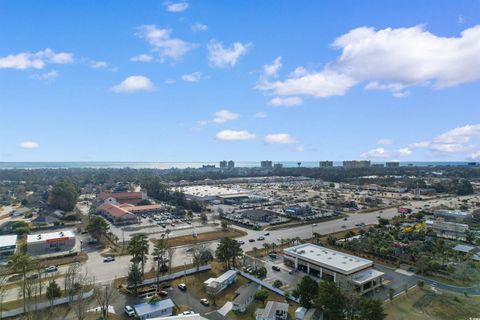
(80, 306)
(3, 291)
(105, 294)
(200, 255)
(171, 252)
(70, 280)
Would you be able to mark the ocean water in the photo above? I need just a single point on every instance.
(184, 165)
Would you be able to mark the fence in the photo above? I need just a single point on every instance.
(44, 305)
(268, 286)
(175, 275)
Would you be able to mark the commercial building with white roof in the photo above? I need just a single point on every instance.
(327, 264)
(52, 242)
(8, 245)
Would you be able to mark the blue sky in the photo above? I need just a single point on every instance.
(211, 80)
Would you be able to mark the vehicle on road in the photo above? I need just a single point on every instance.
(205, 302)
(344, 226)
(129, 311)
(33, 276)
(241, 242)
(182, 286)
(292, 271)
(345, 219)
(272, 255)
(186, 313)
(275, 268)
(109, 259)
(51, 269)
(251, 240)
(266, 234)
(261, 238)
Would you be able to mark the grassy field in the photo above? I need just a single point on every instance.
(424, 304)
(204, 237)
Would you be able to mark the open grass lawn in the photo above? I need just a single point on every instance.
(206, 236)
(424, 304)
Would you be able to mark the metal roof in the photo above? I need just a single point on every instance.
(147, 308)
(8, 240)
(40, 237)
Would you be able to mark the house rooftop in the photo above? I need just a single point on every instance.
(146, 308)
(328, 258)
(8, 240)
(245, 292)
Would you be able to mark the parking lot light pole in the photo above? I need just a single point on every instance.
(313, 226)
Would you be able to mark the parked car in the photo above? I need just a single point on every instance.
(266, 234)
(275, 268)
(261, 238)
(344, 226)
(33, 276)
(51, 269)
(129, 311)
(109, 259)
(251, 240)
(163, 293)
(182, 286)
(272, 255)
(241, 242)
(186, 313)
(205, 302)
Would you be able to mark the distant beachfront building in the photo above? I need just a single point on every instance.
(326, 164)
(278, 166)
(231, 164)
(392, 164)
(356, 164)
(223, 164)
(266, 164)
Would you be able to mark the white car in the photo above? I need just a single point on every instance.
(186, 313)
(51, 269)
(129, 311)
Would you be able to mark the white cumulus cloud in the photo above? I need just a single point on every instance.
(385, 141)
(382, 153)
(162, 42)
(223, 116)
(389, 59)
(176, 6)
(142, 58)
(232, 135)
(279, 138)
(198, 27)
(261, 114)
(134, 84)
(47, 76)
(37, 60)
(271, 70)
(29, 145)
(192, 77)
(99, 64)
(221, 57)
(285, 102)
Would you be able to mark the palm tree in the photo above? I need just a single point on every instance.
(255, 255)
(266, 246)
(316, 237)
(20, 263)
(273, 246)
